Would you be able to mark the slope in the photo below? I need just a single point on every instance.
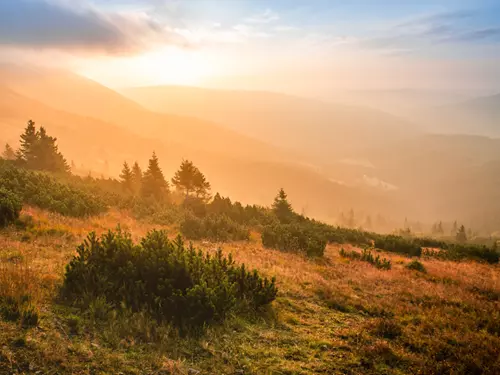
(250, 174)
(313, 127)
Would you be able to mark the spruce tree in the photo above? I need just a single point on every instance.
(282, 208)
(136, 178)
(126, 178)
(28, 142)
(189, 179)
(47, 154)
(201, 186)
(154, 184)
(184, 178)
(461, 235)
(9, 153)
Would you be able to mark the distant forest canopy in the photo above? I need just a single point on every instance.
(39, 151)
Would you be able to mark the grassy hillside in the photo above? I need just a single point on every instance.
(335, 315)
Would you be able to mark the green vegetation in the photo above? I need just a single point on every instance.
(10, 207)
(44, 191)
(367, 256)
(213, 227)
(416, 266)
(294, 237)
(39, 151)
(163, 278)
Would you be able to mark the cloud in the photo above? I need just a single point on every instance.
(57, 25)
(267, 16)
(492, 34)
(423, 31)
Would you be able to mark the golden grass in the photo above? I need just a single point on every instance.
(332, 315)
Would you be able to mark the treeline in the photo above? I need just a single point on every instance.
(191, 207)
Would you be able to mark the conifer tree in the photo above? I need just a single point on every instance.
(136, 178)
(461, 235)
(201, 186)
(189, 179)
(126, 178)
(184, 178)
(153, 183)
(47, 154)
(9, 153)
(282, 208)
(28, 142)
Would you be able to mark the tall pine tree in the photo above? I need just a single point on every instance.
(126, 178)
(282, 208)
(154, 184)
(28, 141)
(8, 153)
(188, 179)
(47, 153)
(136, 178)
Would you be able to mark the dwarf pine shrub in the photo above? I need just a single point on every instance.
(416, 266)
(294, 237)
(367, 256)
(398, 244)
(168, 280)
(213, 227)
(44, 191)
(10, 207)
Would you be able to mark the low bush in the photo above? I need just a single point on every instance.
(163, 278)
(367, 256)
(213, 227)
(44, 191)
(416, 266)
(398, 244)
(19, 310)
(294, 237)
(10, 207)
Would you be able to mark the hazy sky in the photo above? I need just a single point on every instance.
(310, 46)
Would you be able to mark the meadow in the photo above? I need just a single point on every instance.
(332, 314)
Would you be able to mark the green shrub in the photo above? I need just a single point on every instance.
(213, 227)
(164, 278)
(416, 266)
(398, 244)
(19, 310)
(294, 237)
(40, 189)
(367, 256)
(10, 207)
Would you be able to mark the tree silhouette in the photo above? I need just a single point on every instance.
(47, 155)
(153, 183)
(282, 208)
(184, 178)
(136, 178)
(39, 150)
(189, 179)
(126, 178)
(9, 153)
(461, 235)
(28, 142)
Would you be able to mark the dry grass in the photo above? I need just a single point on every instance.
(332, 315)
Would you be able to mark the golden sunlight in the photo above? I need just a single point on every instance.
(165, 66)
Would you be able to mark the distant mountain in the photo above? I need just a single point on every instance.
(99, 128)
(480, 116)
(317, 128)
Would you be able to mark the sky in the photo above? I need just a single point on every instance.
(312, 47)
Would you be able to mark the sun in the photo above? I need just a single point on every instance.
(164, 66)
(175, 66)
